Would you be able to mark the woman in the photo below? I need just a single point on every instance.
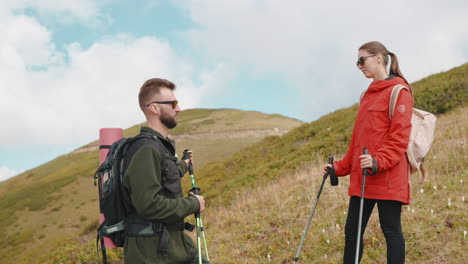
(386, 141)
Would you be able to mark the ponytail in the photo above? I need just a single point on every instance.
(394, 68)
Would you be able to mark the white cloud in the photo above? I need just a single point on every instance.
(98, 87)
(64, 97)
(52, 100)
(314, 44)
(25, 38)
(6, 173)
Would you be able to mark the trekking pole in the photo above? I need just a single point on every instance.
(361, 205)
(334, 182)
(199, 222)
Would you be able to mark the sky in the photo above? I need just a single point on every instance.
(71, 67)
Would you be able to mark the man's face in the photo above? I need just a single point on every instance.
(168, 114)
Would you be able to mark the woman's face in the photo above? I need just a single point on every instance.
(369, 63)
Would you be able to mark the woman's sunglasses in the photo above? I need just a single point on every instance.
(362, 59)
(173, 103)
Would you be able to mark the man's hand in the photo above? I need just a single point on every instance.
(187, 157)
(201, 201)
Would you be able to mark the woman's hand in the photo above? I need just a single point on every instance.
(366, 161)
(325, 167)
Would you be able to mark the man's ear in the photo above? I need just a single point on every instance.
(153, 108)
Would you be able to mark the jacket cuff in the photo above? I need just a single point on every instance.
(375, 167)
(183, 167)
(338, 169)
(197, 203)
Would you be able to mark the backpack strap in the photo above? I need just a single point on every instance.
(126, 158)
(394, 97)
(100, 239)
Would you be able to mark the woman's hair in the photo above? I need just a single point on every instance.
(375, 47)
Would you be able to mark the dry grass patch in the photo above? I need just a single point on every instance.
(265, 224)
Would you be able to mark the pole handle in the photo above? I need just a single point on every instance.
(365, 152)
(185, 156)
(331, 172)
(195, 190)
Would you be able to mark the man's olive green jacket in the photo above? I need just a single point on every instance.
(158, 199)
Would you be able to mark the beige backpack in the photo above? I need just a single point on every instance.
(422, 133)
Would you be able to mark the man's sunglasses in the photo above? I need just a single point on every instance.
(173, 103)
(362, 59)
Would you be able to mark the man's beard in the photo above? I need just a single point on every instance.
(167, 120)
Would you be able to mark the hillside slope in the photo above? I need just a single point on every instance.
(57, 201)
(275, 156)
(254, 213)
(265, 224)
(259, 198)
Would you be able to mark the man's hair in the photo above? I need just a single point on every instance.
(150, 88)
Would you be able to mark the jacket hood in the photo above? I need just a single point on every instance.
(380, 85)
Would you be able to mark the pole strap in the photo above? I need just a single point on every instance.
(104, 146)
(164, 240)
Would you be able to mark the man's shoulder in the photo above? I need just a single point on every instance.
(142, 150)
(145, 142)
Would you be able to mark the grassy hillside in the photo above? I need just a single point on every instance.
(221, 131)
(265, 224)
(275, 155)
(266, 193)
(259, 198)
(56, 202)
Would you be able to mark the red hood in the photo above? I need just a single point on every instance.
(380, 85)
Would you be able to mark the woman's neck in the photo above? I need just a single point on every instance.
(381, 75)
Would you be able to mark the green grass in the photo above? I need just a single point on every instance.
(51, 176)
(258, 197)
(63, 188)
(275, 156)
(440, 93)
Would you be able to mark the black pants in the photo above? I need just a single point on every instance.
(390, 222)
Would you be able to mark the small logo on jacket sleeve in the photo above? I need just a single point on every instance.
(401, 109)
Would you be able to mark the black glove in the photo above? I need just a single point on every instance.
(375, 168)
(186, 154)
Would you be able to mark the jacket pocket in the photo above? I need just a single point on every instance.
(378, 125)
(378, 117)
(189, 245)
(381, 179)
(181, 248)
(172, 178)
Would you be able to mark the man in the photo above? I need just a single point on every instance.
(155, 201)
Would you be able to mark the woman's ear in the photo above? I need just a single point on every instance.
(380, 58)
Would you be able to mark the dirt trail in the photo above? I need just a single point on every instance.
(214, 135)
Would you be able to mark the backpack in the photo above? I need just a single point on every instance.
(422, 132)
(109, 178)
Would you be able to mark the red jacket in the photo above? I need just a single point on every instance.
(386, 140)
